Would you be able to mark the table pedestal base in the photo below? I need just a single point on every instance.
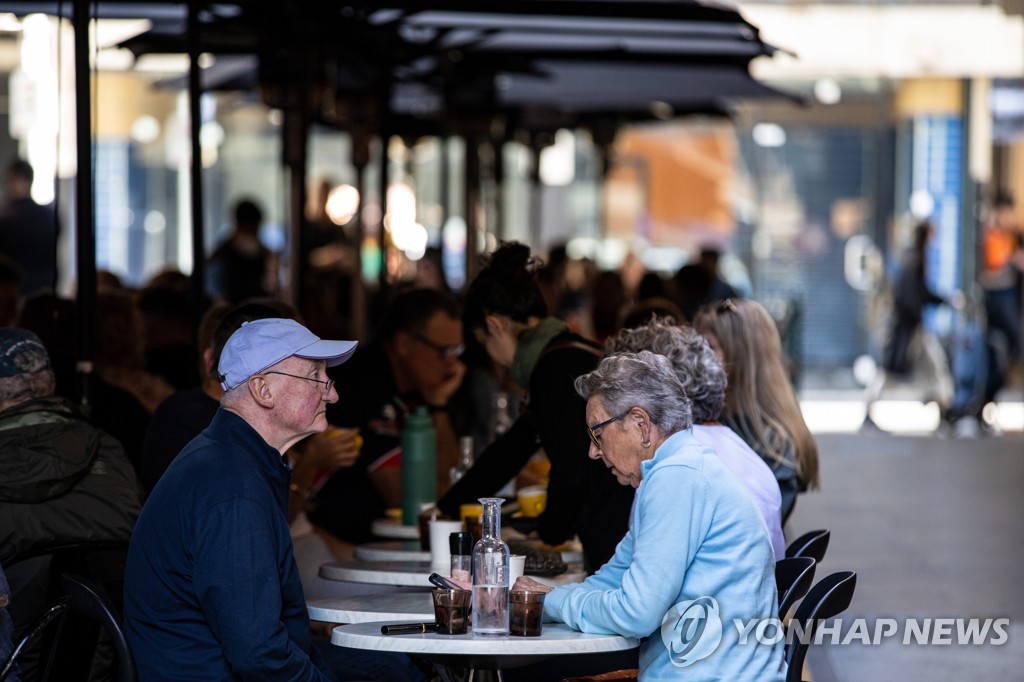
(477, 667)
(457, 674)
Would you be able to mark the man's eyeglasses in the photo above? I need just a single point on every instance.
(327, 383)
(445, 352)
(592, 430)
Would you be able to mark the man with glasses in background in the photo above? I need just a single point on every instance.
(413, 361)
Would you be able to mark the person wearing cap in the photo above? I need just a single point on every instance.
(212, 589)
(64, 482)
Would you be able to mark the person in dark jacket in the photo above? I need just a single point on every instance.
(504, 309)
(911, 351)
(29, 231)
(64, 481)
(242, 267)
(212, 589)
(910, 295)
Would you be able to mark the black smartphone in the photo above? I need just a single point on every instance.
(442, 582)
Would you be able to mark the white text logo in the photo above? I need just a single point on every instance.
(691, 631)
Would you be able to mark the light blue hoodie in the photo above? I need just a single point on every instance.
(695, 533)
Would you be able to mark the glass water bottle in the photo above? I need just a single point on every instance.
(490, 574)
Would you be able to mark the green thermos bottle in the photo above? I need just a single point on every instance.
(419, 464)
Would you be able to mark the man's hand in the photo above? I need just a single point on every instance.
(335, 448)
(443, 392)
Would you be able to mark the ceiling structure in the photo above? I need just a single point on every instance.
(491, 72)
(503, 68)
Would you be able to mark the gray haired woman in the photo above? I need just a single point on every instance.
(696, 541)
(704, 382)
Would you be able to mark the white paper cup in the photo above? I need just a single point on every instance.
(440, 553)
(516, 567)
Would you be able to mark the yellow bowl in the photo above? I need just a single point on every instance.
(472, 510)
(532, 500)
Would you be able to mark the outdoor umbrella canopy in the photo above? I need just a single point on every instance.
(426, 60)
(496, 70)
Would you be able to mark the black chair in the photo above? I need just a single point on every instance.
(812, 544)
(793, 577)
(83, 612)
(54, 614)
(36, 574)
(830, 597)
(102, 563)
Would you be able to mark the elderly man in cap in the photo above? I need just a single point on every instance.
(212, 590)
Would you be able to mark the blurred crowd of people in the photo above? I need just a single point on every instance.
(965, 371)
(523, 327)
(703, 368)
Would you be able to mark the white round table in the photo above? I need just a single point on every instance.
(388, 528)
(406, 573)
(409, 550)
(484, 655)
(392, 550)
(412, 573)
(363, 608)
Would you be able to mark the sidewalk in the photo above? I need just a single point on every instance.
(932, 527)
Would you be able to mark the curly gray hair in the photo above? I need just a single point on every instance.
(641, 379)
(696, 366)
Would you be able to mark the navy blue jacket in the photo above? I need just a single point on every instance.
(212, 590)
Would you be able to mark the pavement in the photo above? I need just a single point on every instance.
(934, 528)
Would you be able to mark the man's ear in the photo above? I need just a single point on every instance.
(260, 391)
(208, 361)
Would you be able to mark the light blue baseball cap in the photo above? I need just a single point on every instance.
(259, 344)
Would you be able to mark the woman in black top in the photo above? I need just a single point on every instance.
(506, 313)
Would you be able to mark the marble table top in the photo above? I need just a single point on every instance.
(411, 573)
(392, 550)
(555, 639)
(389, 528)
(363, 608)
(409, 550)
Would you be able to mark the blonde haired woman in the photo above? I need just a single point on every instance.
(760, 403)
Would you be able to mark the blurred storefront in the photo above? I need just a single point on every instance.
(897, 128)
(912, 112)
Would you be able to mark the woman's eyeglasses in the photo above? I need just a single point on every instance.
(725, 306)
(592, 430)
